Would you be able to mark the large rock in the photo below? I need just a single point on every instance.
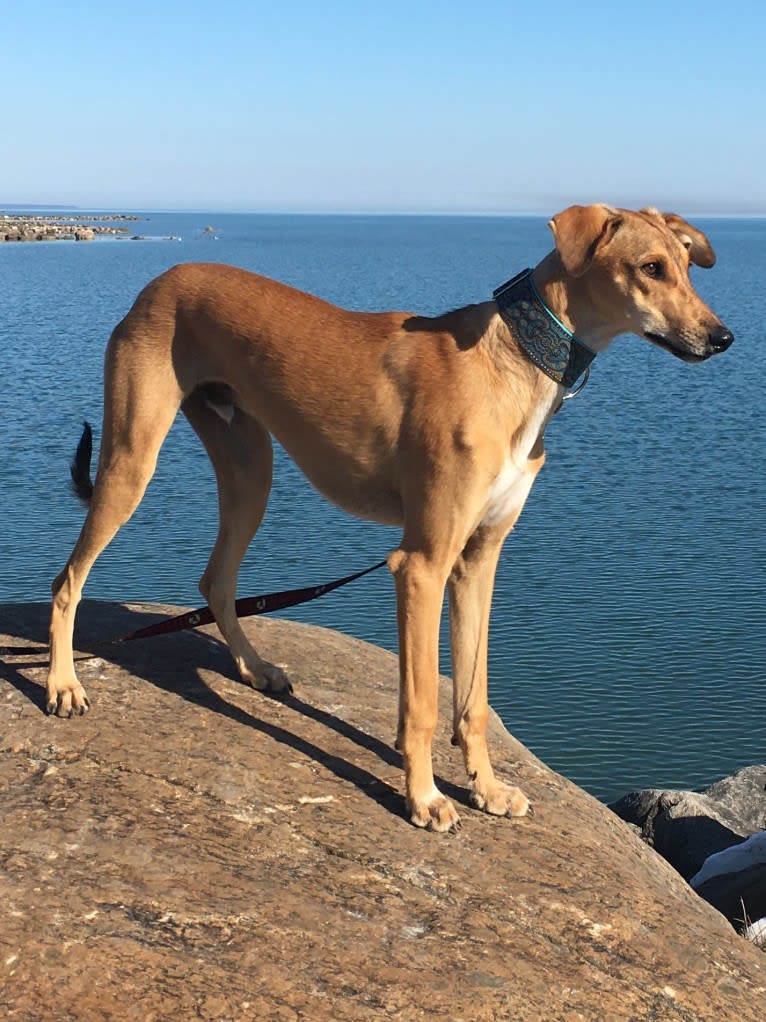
(191, 849)
(734, 881)
(686, 827)
(743, 794)
(739, 895)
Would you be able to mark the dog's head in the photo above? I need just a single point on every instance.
(632, 270)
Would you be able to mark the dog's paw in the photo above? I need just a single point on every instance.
(66, 699)
(502, 800)
(276, 679)
(264, 677)
(435, 813)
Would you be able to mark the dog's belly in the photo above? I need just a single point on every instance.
(346, 485)
(371, 503)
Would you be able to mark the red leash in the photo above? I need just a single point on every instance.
(245, 608)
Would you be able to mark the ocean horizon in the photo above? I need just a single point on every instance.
(714, 213)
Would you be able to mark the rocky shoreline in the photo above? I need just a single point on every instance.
(63, 226)
(203, 852)
(714, 838)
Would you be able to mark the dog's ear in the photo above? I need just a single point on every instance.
(700, 250)
(579, 231)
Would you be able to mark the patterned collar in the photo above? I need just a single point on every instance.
(543, 339)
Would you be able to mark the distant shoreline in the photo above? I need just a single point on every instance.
(15, 211)
(31, 226)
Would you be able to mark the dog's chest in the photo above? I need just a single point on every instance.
(507, 493)
(512, 484)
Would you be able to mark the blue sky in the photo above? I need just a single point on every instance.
(480, 107)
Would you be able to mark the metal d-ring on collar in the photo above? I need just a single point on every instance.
(541, 336)
(576, 390)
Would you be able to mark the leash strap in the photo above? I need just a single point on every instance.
(246, 607)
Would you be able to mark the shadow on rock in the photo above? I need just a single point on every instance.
(175, 663)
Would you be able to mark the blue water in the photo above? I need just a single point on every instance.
(628, 643)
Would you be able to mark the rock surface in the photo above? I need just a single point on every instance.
(686, 827)
(191, 849)
(744, 795)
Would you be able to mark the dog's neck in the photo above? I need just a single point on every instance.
(547, 341)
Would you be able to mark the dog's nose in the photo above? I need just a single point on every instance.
(720, 339)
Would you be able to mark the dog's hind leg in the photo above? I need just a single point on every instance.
(137, 418)
(240, 450)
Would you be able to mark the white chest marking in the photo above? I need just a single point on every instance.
(507, 494)
(512, 484)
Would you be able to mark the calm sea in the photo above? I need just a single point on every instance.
(628, 643)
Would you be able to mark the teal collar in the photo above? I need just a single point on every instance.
(543, 339)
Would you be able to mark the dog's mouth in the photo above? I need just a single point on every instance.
(667, 345)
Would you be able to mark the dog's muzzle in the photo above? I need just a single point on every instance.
(717, 341)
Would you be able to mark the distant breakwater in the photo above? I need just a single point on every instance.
(62, 226)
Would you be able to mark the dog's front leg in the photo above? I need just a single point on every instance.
(420, 585)
(470, 600)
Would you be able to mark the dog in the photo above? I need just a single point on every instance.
(435, 424)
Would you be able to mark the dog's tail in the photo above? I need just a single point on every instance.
(82, 484)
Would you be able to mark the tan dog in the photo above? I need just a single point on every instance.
(435, 424)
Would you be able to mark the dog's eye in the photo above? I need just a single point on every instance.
(653, 270)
